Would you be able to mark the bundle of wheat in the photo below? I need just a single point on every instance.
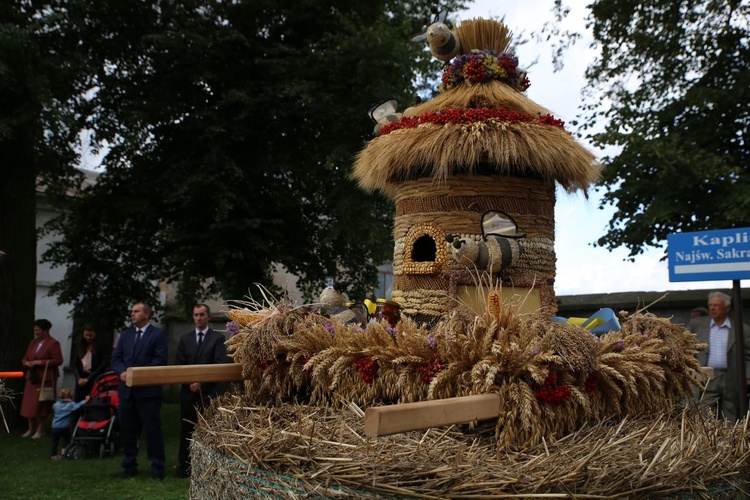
(552, 378)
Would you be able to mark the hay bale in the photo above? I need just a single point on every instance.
(243, 450)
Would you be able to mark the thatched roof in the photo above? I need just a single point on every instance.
(515, 137)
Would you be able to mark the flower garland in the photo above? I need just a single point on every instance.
(471, 115)
(483, 65)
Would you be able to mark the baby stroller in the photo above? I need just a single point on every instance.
(97, 424)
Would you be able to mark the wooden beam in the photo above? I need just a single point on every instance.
(386, 420)
(183, 374)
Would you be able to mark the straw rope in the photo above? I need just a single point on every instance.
(480, 204)
(477, 185)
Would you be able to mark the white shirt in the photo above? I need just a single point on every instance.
(717, 343)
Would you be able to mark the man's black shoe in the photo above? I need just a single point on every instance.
(124, 474)
(159, 476)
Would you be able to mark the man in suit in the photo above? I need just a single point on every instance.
(141, 345)
(200, 346)
(717, 331)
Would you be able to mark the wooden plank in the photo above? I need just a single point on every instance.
(183, 374)
(386, 420)
(705, 374)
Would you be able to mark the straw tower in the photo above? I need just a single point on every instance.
(480, 146)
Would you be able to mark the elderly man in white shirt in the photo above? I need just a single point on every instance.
(716, 330)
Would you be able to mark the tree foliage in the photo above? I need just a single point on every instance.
(41, 82)
(670, 91)
(230, 128)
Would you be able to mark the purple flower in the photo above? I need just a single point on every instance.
(391, 330)
(534, 352)
(431, 341)
(232, 328)
(330, 328)
(619, 347)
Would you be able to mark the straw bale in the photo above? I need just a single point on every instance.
(241, 449)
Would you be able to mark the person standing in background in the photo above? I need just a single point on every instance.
(140, 407)
(91, 360)
(717, 331)
(200, 346)
(43, 351)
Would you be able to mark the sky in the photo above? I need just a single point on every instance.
(581, 267)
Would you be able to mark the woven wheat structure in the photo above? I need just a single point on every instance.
(579, 416)
(447, 171)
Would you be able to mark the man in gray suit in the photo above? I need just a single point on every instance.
(717, 331)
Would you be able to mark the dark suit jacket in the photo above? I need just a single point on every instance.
(211, 351)
(701, 327)
(150, 351)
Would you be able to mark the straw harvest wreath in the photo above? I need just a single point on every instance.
(579, 415)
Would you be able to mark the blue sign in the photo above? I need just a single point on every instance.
(709, 255)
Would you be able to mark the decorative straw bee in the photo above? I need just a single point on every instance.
(444, 44)
(499, 248)
(384, 113)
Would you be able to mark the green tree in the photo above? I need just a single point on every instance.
(231, 127)
(41, 82)
(670, 91)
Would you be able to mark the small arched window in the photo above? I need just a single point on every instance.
(424, 251)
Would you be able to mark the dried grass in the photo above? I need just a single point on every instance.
(483, 34)
(243, 450)
(621, 432)
(439, 151)
(6, 396)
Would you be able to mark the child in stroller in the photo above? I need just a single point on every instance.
(97, 424)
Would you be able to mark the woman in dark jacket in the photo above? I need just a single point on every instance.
(92, 358)
(43, 351)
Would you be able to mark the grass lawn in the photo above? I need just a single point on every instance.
(28, 472)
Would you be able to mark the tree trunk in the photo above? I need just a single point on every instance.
(18, 264)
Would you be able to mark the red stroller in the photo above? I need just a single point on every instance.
(97, 424)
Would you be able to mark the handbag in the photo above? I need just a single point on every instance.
(46, 393)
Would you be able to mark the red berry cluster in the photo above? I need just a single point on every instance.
(368, 369)
(471, 115)
(428, 371)
(474, 70)
(265, 363)
(303, 361)
(552, 393)
(679, 369)
(591, 382)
